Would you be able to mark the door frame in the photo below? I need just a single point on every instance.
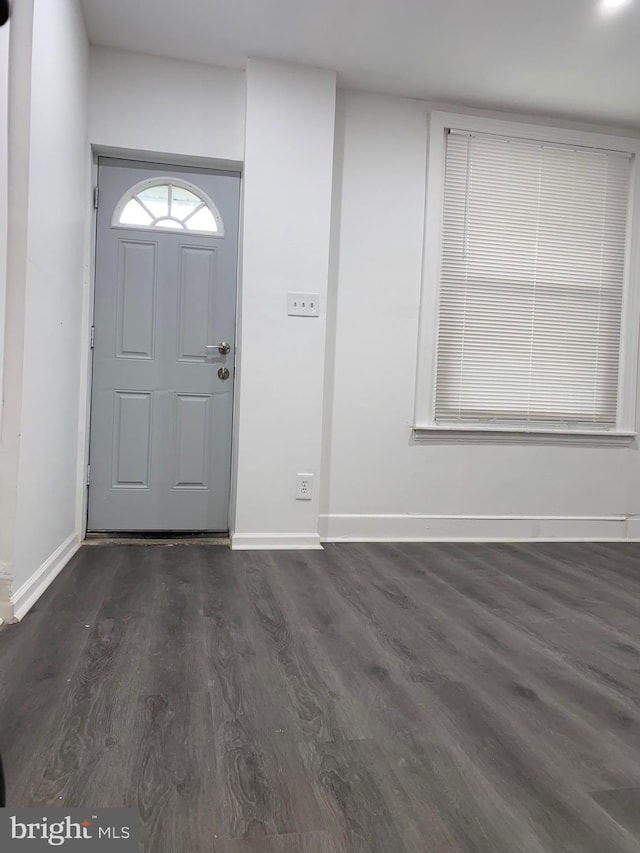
(88, 305)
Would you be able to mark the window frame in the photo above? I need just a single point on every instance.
(424, 425)
(160, 181)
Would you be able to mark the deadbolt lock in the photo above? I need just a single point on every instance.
(223, 373)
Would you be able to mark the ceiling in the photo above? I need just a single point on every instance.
(558, 57)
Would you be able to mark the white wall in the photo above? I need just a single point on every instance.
(19, 122)
(49, 274)
(377, 482)
(149, 104)
(5, 584)
(287, 219)
(4, 178)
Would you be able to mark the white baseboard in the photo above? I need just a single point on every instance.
(633, 527)
(6, 608)
(275, 542)
(31, 590)
(477, 528)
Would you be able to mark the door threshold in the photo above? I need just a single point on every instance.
(169, 537)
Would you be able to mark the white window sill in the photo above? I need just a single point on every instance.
(520, 435)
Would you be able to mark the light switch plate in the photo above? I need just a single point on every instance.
(303, 304)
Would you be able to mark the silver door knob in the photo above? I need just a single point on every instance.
(223, 347)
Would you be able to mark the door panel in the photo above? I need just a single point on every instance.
(132, 440)
(161, 417)
(192, 447)
(136, 306)
(198, 287)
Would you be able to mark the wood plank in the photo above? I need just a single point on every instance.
(261, 778)
(305, 842)
(623, 805)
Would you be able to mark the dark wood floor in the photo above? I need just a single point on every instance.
(384, 698)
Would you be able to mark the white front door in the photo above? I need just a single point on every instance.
(162, 397)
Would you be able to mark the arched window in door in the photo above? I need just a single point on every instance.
(170, 204)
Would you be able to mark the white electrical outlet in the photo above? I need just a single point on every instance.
(303, 304)
(304, 487)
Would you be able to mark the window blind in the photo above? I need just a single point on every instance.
(531, 282)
